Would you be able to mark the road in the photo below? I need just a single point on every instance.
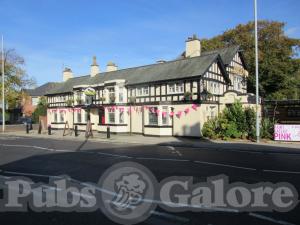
(86, 161)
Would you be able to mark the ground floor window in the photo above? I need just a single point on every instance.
(55, 117)
(86, 116)
(165, 115)
(62, 116)
(121, 117)
(111, 116)
(79, 117)
(153, 118)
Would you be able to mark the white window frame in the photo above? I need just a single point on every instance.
(61, 116)
(175, 88)
(142, 91)
(165, 120)
(150, 114)
(121, 94)
(121, 117)
(111, 112)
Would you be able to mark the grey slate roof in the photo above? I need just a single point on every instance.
(226, 54)
(41, 90)
(171, 70)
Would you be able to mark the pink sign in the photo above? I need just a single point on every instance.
(284, 132)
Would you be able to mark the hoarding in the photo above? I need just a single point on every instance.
(286, 132)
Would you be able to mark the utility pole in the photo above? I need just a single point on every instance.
(256, 73)
(3, 98)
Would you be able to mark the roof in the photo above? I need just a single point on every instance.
(41, 90)
(226, 54)
(172, 70)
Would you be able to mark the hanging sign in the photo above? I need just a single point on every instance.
(89, 91)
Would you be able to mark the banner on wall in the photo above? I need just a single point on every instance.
(286, 132)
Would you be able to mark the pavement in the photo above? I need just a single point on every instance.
(86, 160)
(263, 146)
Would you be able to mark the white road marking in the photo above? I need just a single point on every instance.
(30, 174)
(259, 216)
(163, 159)
(114, 155)
(282, 171)
(152, 158)
(225, 165)
(37, 147)
(174, 151)
(170, 216)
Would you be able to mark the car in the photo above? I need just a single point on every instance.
(25, 120)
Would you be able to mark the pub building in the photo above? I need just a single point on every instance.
(168, 98)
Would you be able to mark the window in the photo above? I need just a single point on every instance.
(79, 117)
(86, 116)
(62, 116)
(153, 118)
(121, 94)
(111, 115)
(111, 95)
(142, 91)
(176, 88)
(121, 117)
(55, 117)
(165, 115)
(35, 101)
(88, 100)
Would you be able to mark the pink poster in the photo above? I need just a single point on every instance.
(286, 132)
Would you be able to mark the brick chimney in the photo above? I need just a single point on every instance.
(94, 67)
(111, 67)
(192, 47)
(67, 74)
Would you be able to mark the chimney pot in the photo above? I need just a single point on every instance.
(192, 47)
(111, 67)
(67, 74)
(94, 67)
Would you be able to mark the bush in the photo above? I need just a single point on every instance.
(267, 128)
(250, 116)
(210, 129)
(41, 110)
(235, 122)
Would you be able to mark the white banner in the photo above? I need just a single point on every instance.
(284, 132)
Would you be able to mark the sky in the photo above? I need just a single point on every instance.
(52, 34)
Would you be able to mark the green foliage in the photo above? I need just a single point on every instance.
(69, 102)
(267, 128)
(41, 110)
(279, 67)
(236, 122)
(16, 78)
(210, 128)
(235, 114)
(250, 116)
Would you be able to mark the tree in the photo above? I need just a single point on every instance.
(16, 78)
(41, 109)
(279, 67)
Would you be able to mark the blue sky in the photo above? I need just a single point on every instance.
(53, 33)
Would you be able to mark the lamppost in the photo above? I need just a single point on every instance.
(3, 97)
(256, 73)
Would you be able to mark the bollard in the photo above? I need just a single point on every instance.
(27, 128)
(40, 128)
(49, 130)
(108, 132)
(76, 131)
(31, 128)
